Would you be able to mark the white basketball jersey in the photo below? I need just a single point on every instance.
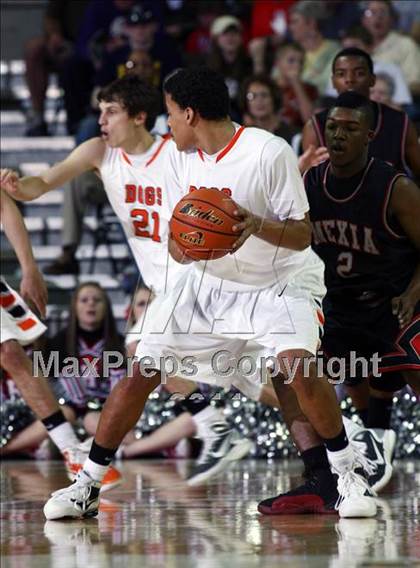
(135, 187)
(260, 172)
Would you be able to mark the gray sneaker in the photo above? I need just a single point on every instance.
(223, 447)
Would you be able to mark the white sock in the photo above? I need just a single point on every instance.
(95, 470)
(205, 418)
(343, 460)
(63, 436)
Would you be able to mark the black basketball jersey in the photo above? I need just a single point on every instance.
(367, 256)
(388, 143)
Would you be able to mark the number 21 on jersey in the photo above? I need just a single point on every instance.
(146, 224)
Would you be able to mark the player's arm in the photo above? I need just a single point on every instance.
(85, 157)
(290, 234)
(287, 223)
(412, 150)
(405, 206)
(32, 285)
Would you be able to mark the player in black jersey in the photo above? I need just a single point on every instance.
(395, 138)
(364, 215)
(395, 141)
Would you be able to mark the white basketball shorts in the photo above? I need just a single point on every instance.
(203, 333)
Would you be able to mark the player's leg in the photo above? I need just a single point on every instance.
(31, 436)
(119, 415)
(34, 389)
(318, 401)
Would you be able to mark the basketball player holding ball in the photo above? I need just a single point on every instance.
(251, 294)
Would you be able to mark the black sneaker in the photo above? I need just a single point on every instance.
(223, 447)
(375, 450)
(317, 495)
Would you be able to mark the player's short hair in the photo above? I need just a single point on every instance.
(201, 89)
(355, 101)
(262, 80)
(354, 52)
(135, 96)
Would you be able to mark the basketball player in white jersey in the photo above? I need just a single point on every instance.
(252, 295)
(20, 326)
(131, 164)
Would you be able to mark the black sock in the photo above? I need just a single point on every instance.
(315, 458)
(100, 455)
(363, 414)
(54, 420)
(379, 412)
(194, 403)
(338, 443)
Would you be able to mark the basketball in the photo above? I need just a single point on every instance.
(202, 224)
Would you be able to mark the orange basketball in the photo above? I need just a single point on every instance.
(202, 224)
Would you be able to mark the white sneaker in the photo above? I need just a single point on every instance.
(376, 448)
(79, 500)
(223, 447)
(355, 495)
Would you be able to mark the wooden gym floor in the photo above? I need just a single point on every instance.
(153, 520)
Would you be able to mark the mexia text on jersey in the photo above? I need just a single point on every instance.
(344, 234)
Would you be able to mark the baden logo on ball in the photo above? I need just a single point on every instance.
(202, 224)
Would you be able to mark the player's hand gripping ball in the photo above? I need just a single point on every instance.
(202, 224)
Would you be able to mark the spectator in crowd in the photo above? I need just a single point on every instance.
(260, 102)
(142, 298)
(383, 90)
(360, 37)
(297, 96)
(270, 17)
(141, 28)
(70, 29)
(47, 54)
(306, 17)
(380, 19)
(340, 15)
(91, 338)
(229, 57)
(198, 42)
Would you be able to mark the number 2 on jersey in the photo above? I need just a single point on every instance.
(344, 264)
(144, 226)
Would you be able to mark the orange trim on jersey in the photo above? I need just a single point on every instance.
(321, 317)
(27, 324)
(126, 158)
(6, 301)
(231, 144)
(226, 148)
(159, 148)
